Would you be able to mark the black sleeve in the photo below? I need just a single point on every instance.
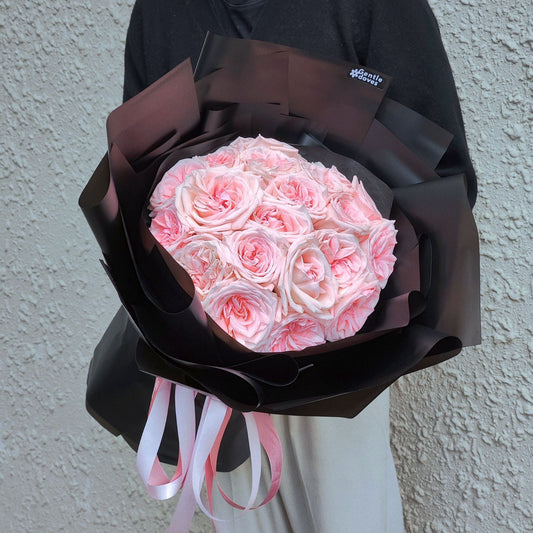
(404, 41)
(135, 78)
(161, 34)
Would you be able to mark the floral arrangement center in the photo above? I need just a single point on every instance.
(284, 253)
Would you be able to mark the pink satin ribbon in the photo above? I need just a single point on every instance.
(198, 454)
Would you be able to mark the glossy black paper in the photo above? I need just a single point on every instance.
(427, 312)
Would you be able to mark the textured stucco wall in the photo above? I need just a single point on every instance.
(461, 432)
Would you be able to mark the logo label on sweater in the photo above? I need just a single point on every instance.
(367, 76)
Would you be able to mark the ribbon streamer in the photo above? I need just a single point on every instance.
(198, 454)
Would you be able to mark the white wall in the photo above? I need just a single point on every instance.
(461, 432)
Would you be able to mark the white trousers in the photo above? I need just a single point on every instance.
(338, 477)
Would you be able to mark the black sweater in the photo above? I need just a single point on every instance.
(398, 37)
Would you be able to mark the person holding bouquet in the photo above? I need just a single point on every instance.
(339, 474)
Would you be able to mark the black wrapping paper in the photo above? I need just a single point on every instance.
(427, 312)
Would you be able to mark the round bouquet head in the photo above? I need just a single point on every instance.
(284, 253)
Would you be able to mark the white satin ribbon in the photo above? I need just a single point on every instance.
(156, 481)
(197, 456)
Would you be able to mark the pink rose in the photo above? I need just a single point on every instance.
(306, 284)
(351, 317)
(164, 192)
(366, 204)
(268, 157)
(244, 310)
(335, 181)
(168, 229)
(299, 189)
(205, 260)
(218, 200)
(185, 167)
(224, 156)
(294, 333)
(265, 143)
(257, 255)
(349, 263)
(345, 213)
(289, 221)
(379, 246)
(276, 146)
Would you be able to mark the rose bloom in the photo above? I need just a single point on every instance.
(224, 156)
(164, 192)
(294, 333)
(168, 229)
(307, 284)
(257, 255)
(266, 144)
(218, 200)
(244, 310)
(366, 204)
(351, 317)
(344, 212)
(289, 221)
(299, 189)
(267, 157)
(204, 258)
(335, 181)
(379, 246)
(349, 263)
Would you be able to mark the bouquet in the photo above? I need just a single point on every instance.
(423, 314)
